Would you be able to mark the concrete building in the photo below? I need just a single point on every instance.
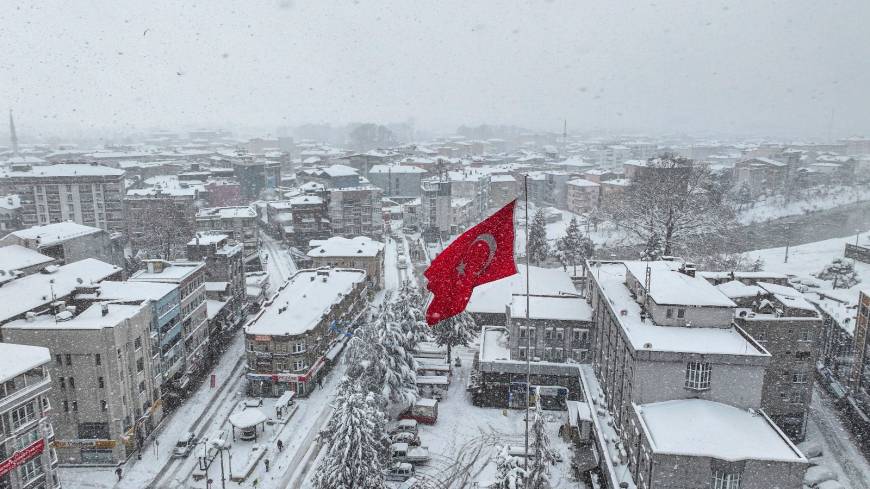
(239, 223)
(471, 184)
(502, 189)
(68, 242)
(287, 342)
(104, 395)
(160, 221)
(435, 209)
(254, 175)
(310, 219)
(86, 194)
(224, 270)
(10, 213)
(334, 176)
(26, 433)
(789, 327)
(167, 345)
(356, 211)
(582, 196)
(760, 175)
(17, 261)
(397, 180)
(361, 253)
(190, 279)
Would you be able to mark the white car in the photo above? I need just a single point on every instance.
(403, 263)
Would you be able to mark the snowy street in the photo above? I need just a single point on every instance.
(838, 444)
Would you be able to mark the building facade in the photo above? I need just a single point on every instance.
(239, 223)
(361, 253)
(68, 242)
(160, 222)
(356, 211)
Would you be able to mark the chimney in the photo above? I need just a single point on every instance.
(104, 308)
(150, 265)
(688, 269)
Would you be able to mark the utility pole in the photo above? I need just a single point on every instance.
(528, 334)
(787, 240)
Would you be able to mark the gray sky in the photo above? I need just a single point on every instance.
(763, 67)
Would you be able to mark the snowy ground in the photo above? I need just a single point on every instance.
(822, 198)
(839, 449)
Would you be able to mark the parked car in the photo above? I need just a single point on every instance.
(403, 263)
(399, 472)
(250, 403)
(409, 425)
(184, 445)
(412, 439)
(402, 452)
(424, 411)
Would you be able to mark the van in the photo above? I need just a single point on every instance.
(184, 445)
(399, 472)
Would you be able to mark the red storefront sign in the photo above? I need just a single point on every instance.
(22, 456)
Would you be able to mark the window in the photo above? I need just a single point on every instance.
(580, 355)
(142, 386)
(137, 343)
(806, 335)
(72, 382)
(698, 375)
(681, 313)
(522, 352)
(558, 355)
(796, 397)
(101, 383)
(104, 406)
(62, 382)
(140, 364)
(560, 334)
(523, 331)
(669, 313)
(23, 415)
(68, 359)
(299, 365)
(798, 377)
(58, 359)
(581, 335)
(548, 333)
(725, 480)
(298, 347)
(31, 469)
(65, 406)
(97, 359)
(75, 406)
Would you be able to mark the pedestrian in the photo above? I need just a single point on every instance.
(267, 464)
(280, 445)
(118, 473)
(256, 481)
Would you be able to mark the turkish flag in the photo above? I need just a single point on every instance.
(480, 255)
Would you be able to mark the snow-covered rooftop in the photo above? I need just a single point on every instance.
(735, 289)
(502, 179)
(26, 293)
(565, 308)
(396, 168)
(701, 428)
(494, 296)
(582, 182)
(207, 238)
(16, 359)
(52, 234)
(646, 335)
(64, 170)
(302, 302)
(788, 296)
(10, 202)
(132, 291)
(90, 318)
(172, 272)
(671, 287)
(339, 246)
(305, 199)
(15, 257)
(227, 212)
(494, 344)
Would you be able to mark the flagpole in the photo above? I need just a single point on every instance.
(528, 330)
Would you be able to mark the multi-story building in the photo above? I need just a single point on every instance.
(582, 195)
(397, 180)
(435, 208)
(356, 211)
(471, 184)
(789, 328)
(68, 242)
(310, 219)
(502, 189)
(362, 253)
(104, 397)
(26, 434)
(224, 271)
(87, 194)
(287, 340)
(17, 261)
(255, 175)
(160, 221)
(10, 213)
(334, 176)
(167, 347)
(666, 352)
(239, 223)
(190, 279)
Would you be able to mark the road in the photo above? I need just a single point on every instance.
(279, 263)
(838, 443)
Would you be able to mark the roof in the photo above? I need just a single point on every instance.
(340, 171)
(494, 296)
(302, 302)
(582, 182)
(788, 296)
(502, 178)
(26, 293)
(16, 359)
(227, 212)
(213, 307)
(494, 344)
(565, 308)
(305, 199)
(337, 246)
(646, 335)
(671, 287)
(10, 202)
(114, 290)
(90, 318)
(735, 289)
(204, 238)
(701, 428)
(52, 234)
(172, 272)
(396, 169)
(15, 257)
(65, 170)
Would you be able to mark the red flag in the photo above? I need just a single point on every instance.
(480, 255)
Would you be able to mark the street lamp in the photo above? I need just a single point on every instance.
(787, 239)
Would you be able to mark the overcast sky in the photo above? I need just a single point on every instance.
(733, 67)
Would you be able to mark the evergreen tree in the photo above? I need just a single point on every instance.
(354, 456)
(508, 472)
(543, 452)
(365, 358)
(757, 265)
(652, 251)
(411, 315)
(400, 378)
(538, 248)
(841, 272)
(574, 247)
(458, 330)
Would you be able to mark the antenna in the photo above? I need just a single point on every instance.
(12, 135)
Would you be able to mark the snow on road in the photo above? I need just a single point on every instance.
(838, 445)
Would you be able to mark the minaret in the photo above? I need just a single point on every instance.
(12, 135)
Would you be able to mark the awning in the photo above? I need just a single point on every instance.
(247, 418)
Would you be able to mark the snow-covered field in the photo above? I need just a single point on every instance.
(818, 199)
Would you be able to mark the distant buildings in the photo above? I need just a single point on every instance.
(502, 189)
(239, 223)
(86, 194)
(104, 396)
(68, 242)
(27, 458)
(255, 175)
(331, 177)
(582, 196)
(361, 252)
(287, 343)
(397, 180)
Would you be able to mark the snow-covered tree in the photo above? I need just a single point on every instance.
(670, 198)
(400, 378)
(538, 247)
(354, 456)
(409, 305)
(574, 247)
(652, 250)
(757, 265)
(365, 357)
(509, 474)
(543, 452)
(841, 272)
(458, 330)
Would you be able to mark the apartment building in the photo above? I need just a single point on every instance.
(10, 213)
(356, 211)
(502, 189)
(581, 195)
(86, 194)
(161, 220)
(254, 175)
(239, 223)
(435, 208)
(190, 279)
(361, 252)
(397, 180)
(224, 271)
(68, 242)
(471, 184)
(104, 397)
(26, 457)
(287, 341)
